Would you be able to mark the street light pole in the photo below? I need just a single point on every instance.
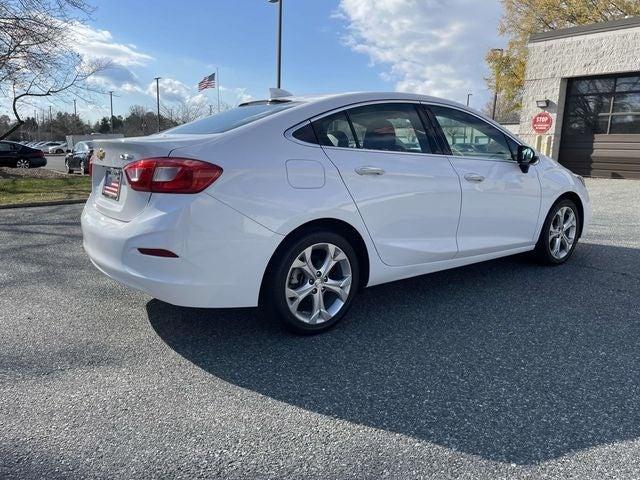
(111, 115)
(158, 99)
(468, 97)
(279, 43)
(498, 51)
(75, 111)
(50, 124)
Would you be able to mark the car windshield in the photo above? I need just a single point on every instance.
(236, 117)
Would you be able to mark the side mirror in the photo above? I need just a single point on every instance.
(526, 157)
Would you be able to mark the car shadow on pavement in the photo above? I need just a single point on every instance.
(506, 360)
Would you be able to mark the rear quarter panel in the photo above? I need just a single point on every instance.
(255, 180)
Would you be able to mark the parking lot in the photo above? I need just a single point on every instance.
(499, 370)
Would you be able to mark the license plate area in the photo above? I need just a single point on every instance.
(112, 183)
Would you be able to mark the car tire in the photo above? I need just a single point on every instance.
(82, 168)
(69, 169)
(560, 233)
(311, 282)
(23, 163)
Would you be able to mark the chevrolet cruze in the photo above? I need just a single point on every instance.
(294, 203)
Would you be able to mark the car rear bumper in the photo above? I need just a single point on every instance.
(222, 254)
(36, 162)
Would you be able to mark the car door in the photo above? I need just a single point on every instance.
(500, 203)
(7, 155)
(406, 191)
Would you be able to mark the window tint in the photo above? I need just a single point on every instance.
(236, 117)
(469, 136)
(5, 147)
(305, 134)
(335, 131)
(392, 127)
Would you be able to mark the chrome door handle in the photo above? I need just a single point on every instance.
(369, 171)
(473, 177)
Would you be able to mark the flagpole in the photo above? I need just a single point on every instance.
(218, 86)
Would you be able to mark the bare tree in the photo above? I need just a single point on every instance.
(36, 55)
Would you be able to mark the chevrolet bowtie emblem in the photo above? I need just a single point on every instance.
(126, 156)
(100, 154)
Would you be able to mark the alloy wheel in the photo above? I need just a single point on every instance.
(318, 283)
(562, 232)
(22, 163)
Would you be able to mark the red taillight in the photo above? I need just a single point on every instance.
(171, 175)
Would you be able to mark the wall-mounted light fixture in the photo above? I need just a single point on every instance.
(542, 103)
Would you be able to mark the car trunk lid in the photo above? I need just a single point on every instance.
(117, 200)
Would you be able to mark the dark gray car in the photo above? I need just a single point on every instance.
(79, 160)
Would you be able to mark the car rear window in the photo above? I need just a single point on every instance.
(236, 117)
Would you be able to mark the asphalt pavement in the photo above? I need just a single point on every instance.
(56, 162)
(502, 370)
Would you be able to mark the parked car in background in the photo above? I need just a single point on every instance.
(45, 146)
(296, 203)
(59, 148)
(79, 160)
(13, 154)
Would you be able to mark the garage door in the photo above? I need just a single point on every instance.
(601, 131)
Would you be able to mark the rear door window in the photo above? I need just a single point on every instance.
(335, 131)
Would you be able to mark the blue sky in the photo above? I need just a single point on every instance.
(428, 46)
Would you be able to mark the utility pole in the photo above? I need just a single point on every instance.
(50, 124)
(210, 109)
(468, 97)
(111, 102)
(498, 51)
(278, 44)
(157, 79)
(75, 111)
(35, 115)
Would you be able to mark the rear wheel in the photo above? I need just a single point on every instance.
(312, 283)
(69, 169)
(23, 163)
(559, 235)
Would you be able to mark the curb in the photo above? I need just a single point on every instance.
(44, 204)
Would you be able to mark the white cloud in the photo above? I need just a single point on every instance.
(436, 47)
(170, 90)
(95, 44)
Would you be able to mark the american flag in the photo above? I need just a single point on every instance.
(112, 189)
(207, 82)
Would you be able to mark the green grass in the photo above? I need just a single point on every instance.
(30, 190)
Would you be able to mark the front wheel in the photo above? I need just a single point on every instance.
(83, 168)
(312, 283)
(559, 235)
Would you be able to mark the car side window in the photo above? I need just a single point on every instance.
(5, 147)
(469, 136)
(335, 131)
(394, 127)
(305, 134)
(79, 147)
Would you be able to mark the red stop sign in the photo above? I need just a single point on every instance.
(542, 122)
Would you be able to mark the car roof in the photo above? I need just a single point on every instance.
(337, 100)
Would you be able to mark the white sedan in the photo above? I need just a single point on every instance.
(294, 203)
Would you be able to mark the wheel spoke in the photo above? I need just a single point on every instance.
(339, 287)
(555, 246)
(295, 296)
(303, 262)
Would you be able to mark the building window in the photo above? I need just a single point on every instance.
(603, 106)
